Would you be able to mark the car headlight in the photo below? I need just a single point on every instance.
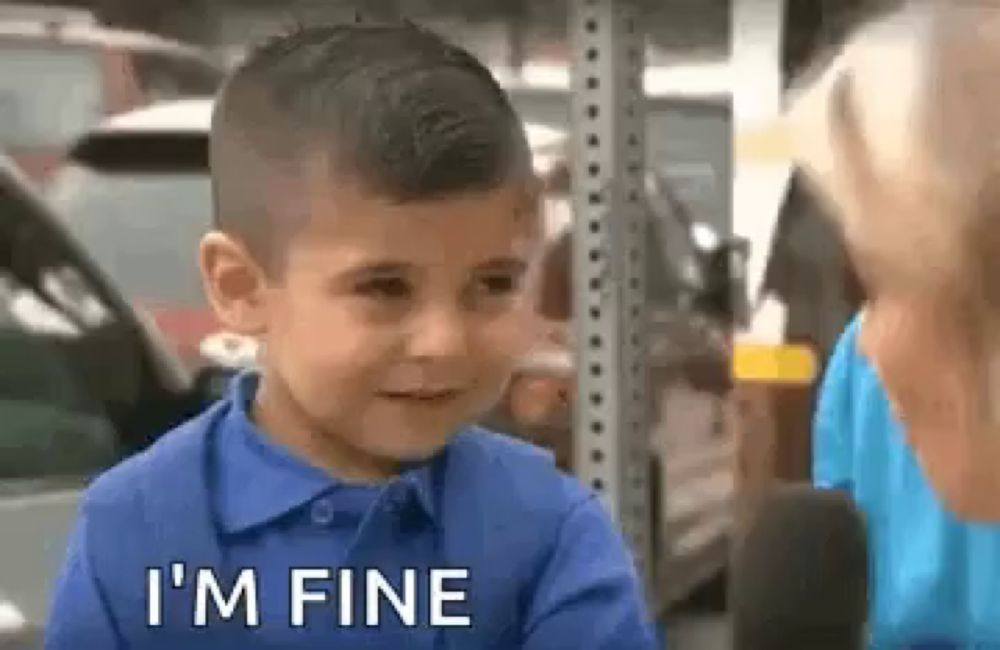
(11, 618)
(229, 350)
(15, 631)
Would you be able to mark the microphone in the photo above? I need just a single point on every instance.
(800, 574)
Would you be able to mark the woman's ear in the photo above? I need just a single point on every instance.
(234, 283)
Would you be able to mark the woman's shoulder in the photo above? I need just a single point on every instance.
(851, 397)
(848, 363)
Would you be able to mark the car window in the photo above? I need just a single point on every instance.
(688, 146)
(141, 228)
(48, 96)
(688, 142)
(67, 369)
(168, 76)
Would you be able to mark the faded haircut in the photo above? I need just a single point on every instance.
(391, 107)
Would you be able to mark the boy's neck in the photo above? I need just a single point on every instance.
(278, 417)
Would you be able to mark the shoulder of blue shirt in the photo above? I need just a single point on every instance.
(509, 501)
(831, 431)
(499, 463)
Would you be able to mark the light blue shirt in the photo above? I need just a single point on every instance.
(935, 580)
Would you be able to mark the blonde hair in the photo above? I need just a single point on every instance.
(900, 130)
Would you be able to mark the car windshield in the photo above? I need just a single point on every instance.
(167, 76)
(60, 333)
(48, 96)
(688, 144)
(142, 228)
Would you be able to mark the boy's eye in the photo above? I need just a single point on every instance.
(385, 288)
(498, 284)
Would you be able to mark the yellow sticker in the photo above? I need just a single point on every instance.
(786, 364)
(766, 143)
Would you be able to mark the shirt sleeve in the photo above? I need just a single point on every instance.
(832, 449)
(79, 616)
(589, 596)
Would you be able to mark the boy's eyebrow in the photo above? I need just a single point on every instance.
(497, 264)
(379, 268)
(503, 264)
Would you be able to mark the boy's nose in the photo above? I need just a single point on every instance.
(438, 333)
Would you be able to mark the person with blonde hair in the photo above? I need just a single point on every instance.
(900, 134)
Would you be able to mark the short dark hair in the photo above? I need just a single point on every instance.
(392, 106)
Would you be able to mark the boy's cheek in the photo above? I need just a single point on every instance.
(513, 332)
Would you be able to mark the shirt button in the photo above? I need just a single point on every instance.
(396, 499)
(322, 512)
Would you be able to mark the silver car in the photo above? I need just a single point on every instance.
(84, 382)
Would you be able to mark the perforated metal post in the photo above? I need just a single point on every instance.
(611, 429)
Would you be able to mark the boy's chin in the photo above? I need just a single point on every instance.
(417, 454)
(411, 448)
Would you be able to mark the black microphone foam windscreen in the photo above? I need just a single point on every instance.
(800, 574)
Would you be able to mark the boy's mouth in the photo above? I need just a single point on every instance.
(422, 396)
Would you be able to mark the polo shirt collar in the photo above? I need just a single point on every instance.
(258, 480)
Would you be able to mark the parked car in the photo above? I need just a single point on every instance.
(143, 175)
(688, 133)
(62, 73)
(695, 296)
(691, 303)
(84, 382)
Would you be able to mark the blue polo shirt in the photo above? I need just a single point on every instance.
(246, 545)
(935, 579)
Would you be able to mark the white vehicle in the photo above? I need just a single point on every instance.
(63, 72)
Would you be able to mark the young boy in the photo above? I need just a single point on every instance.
(377, 232)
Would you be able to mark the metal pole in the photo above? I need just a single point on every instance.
(611, 431)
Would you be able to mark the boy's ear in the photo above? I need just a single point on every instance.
(234, 284)
(531, 206)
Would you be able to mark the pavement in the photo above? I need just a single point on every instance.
(700, 622)
(697, 631)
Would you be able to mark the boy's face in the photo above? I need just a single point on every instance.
(392, 325)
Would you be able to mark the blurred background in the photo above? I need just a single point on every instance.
(106, 340)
